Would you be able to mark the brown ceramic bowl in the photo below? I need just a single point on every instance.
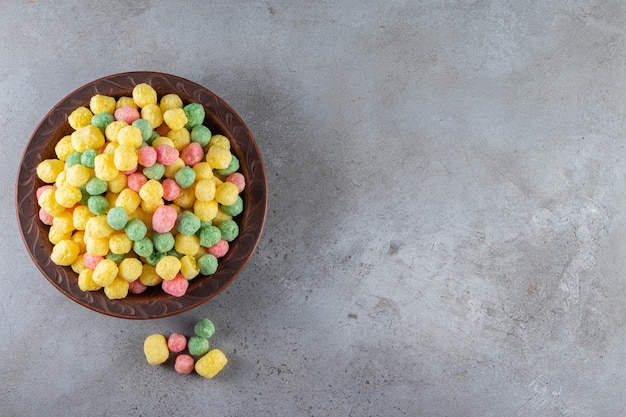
(154, 303)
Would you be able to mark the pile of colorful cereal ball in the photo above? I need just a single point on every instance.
(157, 350)
(140, 194)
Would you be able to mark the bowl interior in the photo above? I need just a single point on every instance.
(154, 303)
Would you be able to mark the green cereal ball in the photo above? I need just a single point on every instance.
(97, 204)
(117, 218)
(145, 128)
(88, 158)
(143, 247)
(154, 172)
(163, 242)
(195, 115)
(95, 186)
(72, 159)
(102, 120)
(201, 134)
(175, 253)
(234, 209)
(229, 229)
(185, 177)
(84, 195)
(187, 223)
(197, 346)
(204, 328)
(135, 229)
(152, 137)
(207, 264)
(154, 258)
(232, 167)
(115, 257)
(209, 236)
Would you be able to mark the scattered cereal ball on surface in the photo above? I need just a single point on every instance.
(226, 193)
(218, 157)
(234, 209)
(130, 269)
(163, 242)
(102, 120)
(144, 94)
(175, 118)
(167, 154)
(207, 264)
(136, 229)
(176, 342)
(154, 171)
(136, 180)
(184, 364)
(127, 114)
(64, 147)
(143, 247)
(170, 101)
(192, 154)
(176, 287)
(201, 134)
(171, 189)
(100, 103)
(185, 177)
(87, 137)
(220, 249)
(164, 219)
(49, 169)
(88, 158)
(65, 252)
(152, 114)
(117, 289)
(168, 267)
(195, 115)
(155, 349)
(97, 204)
(204, 328)
(147, 156)
(229, 230)
(105, 272)
(80, 117)
(211, 364)
(136, 287)
(86, 282)
(187, 223)
(197, 345)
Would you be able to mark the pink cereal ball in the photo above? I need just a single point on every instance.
(130, 171)
(176, 287)
(176, 342)
(137, 287)
(171, 189)
(45, 217)
(136, 180)
(147, 156)
(127, 114)
(43, 188)
(91, 261)
(164, 219)
(238, 179)
(167, 154)
(184, 364)
(192, 154)
(219, 249)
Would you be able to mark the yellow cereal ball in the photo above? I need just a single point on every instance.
(186, 245)
(80, 117)
(203, 171)
(129, 199)
(65, 252)
(120, 244)
(170, 101)
(130, 135)
(80, 216)
(149, 277)
(186, 198)
(205, 210)
(226, 193)
(78, 175)
(86, 282)
(151, 191)
(111, 198)
(64, 222)
(149, 207)
(55, 236)
(111, 132)
(118, 184)
(173, 168)
(175, 118)
(78, 265)
(98, 227)
(162, 140)
(125, 157)
(144, 94)
(60, 181)
(87, 137)
(156, 350)
(211, 364)
(110, 148)
(220, 140)
(130, 269)
(105, 272)
(49, 169)
(64, 147)
(180, 137)
(216, 180)
(48, 202)
(79, 237)
(218, 157)
(221, 217)
(101, 104)
(104, 167)
(205, 190)
(97, 246)
(202, 251)
(189, 267)
(117, 289)
(125, 102)
(152, 113)
(168, 267)
(68, 195)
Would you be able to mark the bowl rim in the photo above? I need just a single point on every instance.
(220, 118)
